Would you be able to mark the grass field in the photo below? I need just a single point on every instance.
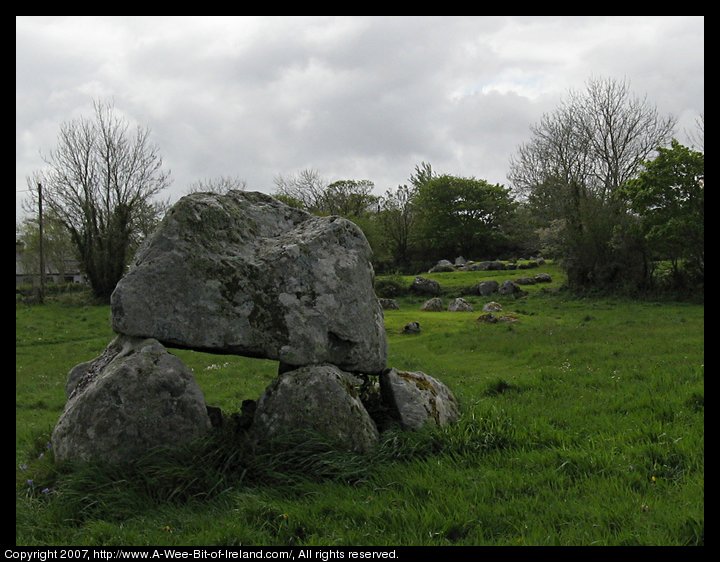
(583, 424)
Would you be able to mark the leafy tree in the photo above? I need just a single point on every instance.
(100, 182)
(669, 196)
(349, 198)
(573, 168)
(422, 174)
(462, 216)
(398, 218)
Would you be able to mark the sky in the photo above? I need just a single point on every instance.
(353, 97)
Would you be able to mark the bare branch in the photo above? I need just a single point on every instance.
(219, 184)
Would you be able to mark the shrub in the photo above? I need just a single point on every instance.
(390, 287)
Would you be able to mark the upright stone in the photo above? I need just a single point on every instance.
(460, 305)
(320, 399)
(510, 288)
(433, 305)
(135, 396)
(485, 288)
(418, 399)
(423, 286)
(243, 273)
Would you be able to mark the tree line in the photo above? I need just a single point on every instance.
(601, 185)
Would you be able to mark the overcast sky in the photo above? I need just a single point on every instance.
(352, 97)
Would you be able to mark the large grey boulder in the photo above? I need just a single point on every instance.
(460, 305)
(443, 266)
(243, 273)
(321, 399)
(433, 305)
(135, 396)
(487, 266)
(510, 288)
(418, 399)
(389, 304)
(485, 288)
(423, 286)
(411, 328)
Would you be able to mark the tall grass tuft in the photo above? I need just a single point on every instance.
(228, 460)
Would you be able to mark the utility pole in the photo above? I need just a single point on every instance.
(42, 254)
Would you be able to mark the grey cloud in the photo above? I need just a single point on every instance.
(350, 96)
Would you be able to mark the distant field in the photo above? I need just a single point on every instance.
(583, 424)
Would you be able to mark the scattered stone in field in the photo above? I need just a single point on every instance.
(134, 397)
(485, 288)
(492, 306)
(460, 305)
(543, 278)
(433, 305)
(511, 266)
(243, 273)
(540, 261)
(510, 288)
(418, 399)
(423, 286)
(443, 266)
(525, 281)
(389, 304)
(321, 399)
(488, 318)
(460, 261)
(411, 328)
(487, 266)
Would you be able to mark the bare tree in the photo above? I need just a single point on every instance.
(99, 183)
(697, 137)
(219, 184)
(306, 188)
(595, 140)
(622, 132)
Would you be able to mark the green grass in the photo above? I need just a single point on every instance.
(583, 423)
(453, 283)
